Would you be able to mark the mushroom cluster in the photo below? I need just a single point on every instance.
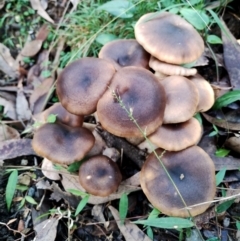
(146, 74)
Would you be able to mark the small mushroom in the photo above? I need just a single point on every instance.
(62, 144)
(182, 99)
(141, 93)
(175, 137)
(192, 171)
(125, 52)
(100, 176)
(82, 83)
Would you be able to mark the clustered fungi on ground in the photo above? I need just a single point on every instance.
(160, 99)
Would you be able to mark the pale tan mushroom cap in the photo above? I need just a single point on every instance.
(206, 93)
(82, 83)
(125, 52)
(140, 92)
(170, 69)
(176, 137)
(62, 144)
(100, 176)
(193, 172)
(182, 99)
(169, 38)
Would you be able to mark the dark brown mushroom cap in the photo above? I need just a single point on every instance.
(206, 93)
(141, 93)
(169, 38)
(63, 115)
(193, 172)
(100, 176)
(170, 69)
(82, 83)
(182, 99)
(62, 144)
(125, 52)
(176, 137)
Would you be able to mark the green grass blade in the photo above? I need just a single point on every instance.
(11, 186)
(123, 207)
(220, 175)
(168, 223)
(224, 206)
(227, 99)
(81, 205)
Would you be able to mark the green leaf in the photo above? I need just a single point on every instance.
(120, 8)
(104, 38)
(149, 232)
(21, 187)
(198, 117)
(213, 39)
(46, 73)
(213, 133)
(77, 192)
(220, 176)
(213, 239)
(123, 207)
(82, 204)
(224, 206)
(74, 166)
(168, 222)
(227, 99)
(51, 118)
(188, 65)
(30, 200)
(198, 19)
(154, 213)
(11, 186)
(222, 152)
(22, 203)
(238, 225)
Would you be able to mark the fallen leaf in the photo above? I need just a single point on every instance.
(130, 231)
(8, 133)
(231, 54)
(204, 217)
(233, 143)
(7, 63)
(14, 148)
(8, 101)
(31, 48)
(49, 171)
(22, 107)
(46, 230)
(222, 123)
(42, 33)
(208, 144)
(36, 5)
(43, 184)
(72, 182)
(38, 99)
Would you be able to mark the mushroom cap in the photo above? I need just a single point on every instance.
(176, 137)
(82, 83)
(100, 176)
(206, 93)
(125, 52)
(62, 144)
(192, 171)
(182, 99)
(169, 38)
(140, 92)
(63, 115)
(170, 69)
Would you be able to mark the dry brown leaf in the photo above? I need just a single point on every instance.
(208, 144)
(233, 143)
(22, 107)
(46, 230)
(7, 63)
(204, 217)
(16, 148)
(72, 182)
(222, 123)
(231, 54)
(43, 184)
(31, 48)
(130, 231)
(49, 171)
(36, 5)
(8, 101)
(39, 95)
(8, 133)
(42, 32)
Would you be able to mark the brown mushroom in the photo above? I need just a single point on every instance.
(125, 52)
(141, 93)
(100, 176)
(62, 144)
(192, 171)
(82, 83)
